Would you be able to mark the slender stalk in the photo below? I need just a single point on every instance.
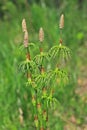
(61, 37)
(45, 107)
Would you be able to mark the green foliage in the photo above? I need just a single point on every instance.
(62, 52)
(27, 65)
(40, 80)
(13, 93)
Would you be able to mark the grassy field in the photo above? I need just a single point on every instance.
(72, 108)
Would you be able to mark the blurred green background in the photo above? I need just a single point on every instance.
(71, 112)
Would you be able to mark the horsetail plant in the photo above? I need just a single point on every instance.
(40, 80)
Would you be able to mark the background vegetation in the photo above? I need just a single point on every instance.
(71, 112)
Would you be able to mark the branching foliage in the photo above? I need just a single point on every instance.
(39, 79)
(60, 51)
